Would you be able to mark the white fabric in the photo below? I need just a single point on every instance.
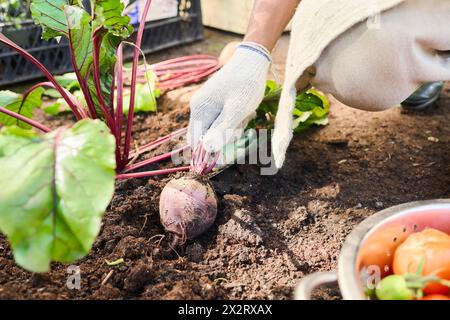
(316, 24)
(227, 100)
(377, 68)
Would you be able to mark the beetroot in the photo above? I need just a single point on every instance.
(187, 207)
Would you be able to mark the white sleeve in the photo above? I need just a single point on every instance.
(316, 24)
(377, 66)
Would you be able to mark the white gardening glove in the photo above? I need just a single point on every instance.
(222, 108)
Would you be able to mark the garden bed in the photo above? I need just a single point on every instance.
(271, 230)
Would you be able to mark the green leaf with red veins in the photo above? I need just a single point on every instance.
(108, 50)
(49, 14)
(80, 32)
(68, 18)
(13, 101)
(54, 191)
(113, 28)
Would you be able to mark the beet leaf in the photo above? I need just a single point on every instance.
(79, 34)
(55, 189)
(49, 14)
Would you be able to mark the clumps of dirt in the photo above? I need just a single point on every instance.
(131, 248)
(297, 219)
(137, 278)
(242, 228)
(327, 192)
(108, 292)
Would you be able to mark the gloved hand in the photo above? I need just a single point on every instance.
(222, 108)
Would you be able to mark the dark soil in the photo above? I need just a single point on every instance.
(271, 230)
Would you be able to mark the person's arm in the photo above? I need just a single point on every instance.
(268, 21)
(221, 109)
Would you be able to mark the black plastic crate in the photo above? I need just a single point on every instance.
(162, 34)
(53, 55)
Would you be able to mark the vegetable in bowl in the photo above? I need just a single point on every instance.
(421, 269)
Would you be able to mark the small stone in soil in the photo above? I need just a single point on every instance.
(379, 205)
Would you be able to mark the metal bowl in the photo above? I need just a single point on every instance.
(356, 262)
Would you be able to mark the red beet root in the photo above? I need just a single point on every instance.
(188, 207)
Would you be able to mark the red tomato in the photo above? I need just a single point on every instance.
(378, 249)
(432, 247)
(435, 297)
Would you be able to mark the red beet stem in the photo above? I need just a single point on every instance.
(203, 162)
(151, 173)
(20, 117)
(140, 32)
(43, 69)
(186, 58)
(49, 84)
(186, 79)
(153, 145)
(156, 159)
